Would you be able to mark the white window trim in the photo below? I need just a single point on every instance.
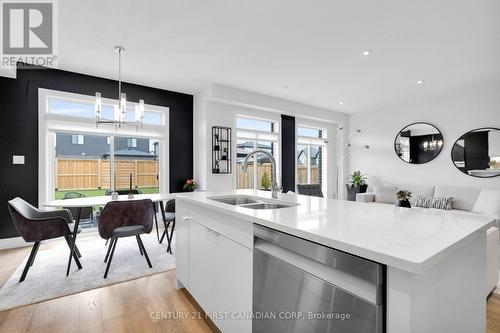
(308, 142)
(49, 124)
(256, 135)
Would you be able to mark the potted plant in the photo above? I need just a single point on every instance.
(265, 181)
(190, 185)
(356, 185)
(403, 198)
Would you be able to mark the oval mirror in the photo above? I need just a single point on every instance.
(418, 143)
(477, 153)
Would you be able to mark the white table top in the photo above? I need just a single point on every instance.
(103, 200)
(409, 239)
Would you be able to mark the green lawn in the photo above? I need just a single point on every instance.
(96, 192)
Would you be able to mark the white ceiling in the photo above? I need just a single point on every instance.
(312, 47)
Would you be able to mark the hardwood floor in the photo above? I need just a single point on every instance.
(143, 305)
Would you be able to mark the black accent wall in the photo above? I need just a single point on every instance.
(288, 153)
(19, 128)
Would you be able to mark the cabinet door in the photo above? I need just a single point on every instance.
(181, 241)
(200, 264)
(232, 284)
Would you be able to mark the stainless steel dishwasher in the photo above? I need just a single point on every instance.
(300, 286)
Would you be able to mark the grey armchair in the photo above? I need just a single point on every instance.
(310, 189)
(35, 225)
(121, 219)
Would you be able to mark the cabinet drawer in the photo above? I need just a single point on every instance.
(238, 230)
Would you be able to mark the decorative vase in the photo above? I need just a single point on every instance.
(353, 190)
(403, 203)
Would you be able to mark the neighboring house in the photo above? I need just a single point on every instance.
(242, 150)
(94, 147)
(315, 156)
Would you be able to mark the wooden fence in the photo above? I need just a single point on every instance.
(245, 180)
(74, 174)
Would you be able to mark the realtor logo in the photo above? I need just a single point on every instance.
(28, 29)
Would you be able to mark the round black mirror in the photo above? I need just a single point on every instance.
(418, 143)
(477, 153)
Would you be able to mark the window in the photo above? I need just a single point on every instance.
(131, 143)
(79, 159)
(77, 139)
(311, 155)
(85, 109)
(255, 134)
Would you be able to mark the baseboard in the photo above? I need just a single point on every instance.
(11, 243)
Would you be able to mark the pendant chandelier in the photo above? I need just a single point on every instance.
(120, 108)
(433, 144)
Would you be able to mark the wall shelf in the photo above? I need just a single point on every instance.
(221, 150)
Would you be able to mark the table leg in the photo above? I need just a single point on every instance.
(156, 221)
(162, 207)
(169, 239)
(73, 243)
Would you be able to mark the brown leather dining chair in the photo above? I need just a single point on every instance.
(121, 219)
(36, 225)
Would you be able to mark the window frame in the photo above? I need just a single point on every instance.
(310, 141)
(256, 136)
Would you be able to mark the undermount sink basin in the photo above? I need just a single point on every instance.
(252, 203)
(236, 201)
(266, 205)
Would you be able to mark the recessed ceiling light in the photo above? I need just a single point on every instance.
(420, 82)
(341, 103)
(367, 52)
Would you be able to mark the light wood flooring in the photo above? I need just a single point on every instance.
(125, 307)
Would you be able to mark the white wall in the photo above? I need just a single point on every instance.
(454, 114)
(219, 105)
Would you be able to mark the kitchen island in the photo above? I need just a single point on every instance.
(434, 261)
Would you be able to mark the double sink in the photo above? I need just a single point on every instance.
(252, 202)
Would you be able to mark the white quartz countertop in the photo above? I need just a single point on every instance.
(412, 240)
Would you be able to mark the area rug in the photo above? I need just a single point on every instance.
(47, 277)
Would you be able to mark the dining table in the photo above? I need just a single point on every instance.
(100, 201)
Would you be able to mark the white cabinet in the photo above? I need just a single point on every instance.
(181, 241)
(215, 269)
(232, 284)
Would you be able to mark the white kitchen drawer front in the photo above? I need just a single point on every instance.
(238, 230)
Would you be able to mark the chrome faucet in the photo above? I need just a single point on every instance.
(275, 188)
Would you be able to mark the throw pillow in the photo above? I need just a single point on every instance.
(434, 202)
(488, 203)
(385, 194)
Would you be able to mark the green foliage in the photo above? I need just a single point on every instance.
(403, 195)
(265, 182)
(357, 179)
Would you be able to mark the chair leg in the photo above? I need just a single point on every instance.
(36, 252)
(114, 241)
(30, 261)
(109, 249)
(139, 244)
(107, 240)
(144, 250)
